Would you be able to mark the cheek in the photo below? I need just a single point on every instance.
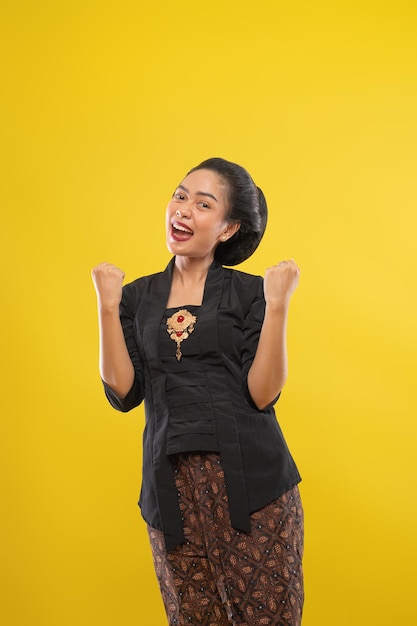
(167, 220)
(212, 227)
(169, 212)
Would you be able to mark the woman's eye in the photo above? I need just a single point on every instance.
(179, 196)
(204, 205)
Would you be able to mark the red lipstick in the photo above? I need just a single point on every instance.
(180, 231)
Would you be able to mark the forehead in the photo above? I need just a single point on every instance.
(205, 181)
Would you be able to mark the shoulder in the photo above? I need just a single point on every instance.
(134, 291)
(246, 289)
(243, 280)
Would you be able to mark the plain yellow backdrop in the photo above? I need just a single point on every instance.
(105, 106)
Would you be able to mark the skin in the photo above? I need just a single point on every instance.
(199, 205)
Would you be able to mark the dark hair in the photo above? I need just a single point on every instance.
(246, 204)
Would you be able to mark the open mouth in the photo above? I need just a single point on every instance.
(180, 232)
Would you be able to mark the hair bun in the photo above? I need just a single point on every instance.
(247, 207)
(245, 241)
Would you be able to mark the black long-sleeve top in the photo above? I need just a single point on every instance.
(209, 386)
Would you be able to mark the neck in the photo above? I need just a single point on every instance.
(188, 281)
(191, 271)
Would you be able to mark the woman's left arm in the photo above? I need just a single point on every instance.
(269, 369)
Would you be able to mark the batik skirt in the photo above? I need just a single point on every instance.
(220, 576)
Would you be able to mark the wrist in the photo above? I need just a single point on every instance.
(277, 307)
(109, 308)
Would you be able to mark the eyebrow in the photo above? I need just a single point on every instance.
(198, 193)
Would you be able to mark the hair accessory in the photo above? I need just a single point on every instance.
(179, 327)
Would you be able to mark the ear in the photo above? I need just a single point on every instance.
(229, 231)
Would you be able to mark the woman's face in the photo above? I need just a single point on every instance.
(196, 216)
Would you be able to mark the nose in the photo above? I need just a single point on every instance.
(185, 210)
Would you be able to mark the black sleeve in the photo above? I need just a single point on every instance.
(252, 330)
(137, 392)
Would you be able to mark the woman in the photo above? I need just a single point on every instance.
(205, 347)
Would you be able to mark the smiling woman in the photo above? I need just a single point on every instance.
(199, 215)
(219, 490)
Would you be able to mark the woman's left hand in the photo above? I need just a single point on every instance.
(280, 283)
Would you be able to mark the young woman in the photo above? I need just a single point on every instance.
(205, 347)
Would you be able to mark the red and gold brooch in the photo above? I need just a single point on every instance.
(179, 327)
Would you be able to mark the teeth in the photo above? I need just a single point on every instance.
(182, 228)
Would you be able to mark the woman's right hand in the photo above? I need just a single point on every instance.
(116, 367)
(108, 281)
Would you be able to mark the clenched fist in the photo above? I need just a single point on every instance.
(280, 283)
(108, 281)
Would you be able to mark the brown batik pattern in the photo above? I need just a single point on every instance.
(220, 576)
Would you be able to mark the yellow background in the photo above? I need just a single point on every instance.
(105, 106)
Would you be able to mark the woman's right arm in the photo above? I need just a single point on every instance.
(116, 368)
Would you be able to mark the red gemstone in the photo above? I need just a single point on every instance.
(180, 319)
(179, 333)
